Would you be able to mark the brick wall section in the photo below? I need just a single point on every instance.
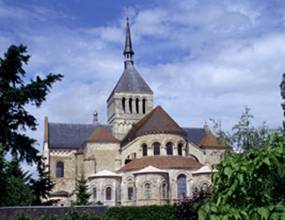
(11, 213)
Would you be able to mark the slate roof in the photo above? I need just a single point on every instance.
(195, 135)
(162, 162)
(203, 138)
(102, 135)
(70, 136)
(131, 82)
(155, 122)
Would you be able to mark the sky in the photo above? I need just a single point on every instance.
(203, 59)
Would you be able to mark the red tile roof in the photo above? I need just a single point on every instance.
(211, 141)
(162, 162)
(155, 122)
(101, 135)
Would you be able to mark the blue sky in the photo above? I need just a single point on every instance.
(203, 59)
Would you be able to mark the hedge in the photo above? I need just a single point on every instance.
(153, 212)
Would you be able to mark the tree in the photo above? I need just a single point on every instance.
(42, 186)
(282, 88)
(81, 191)
(17, 185)
(243, 135)
(249, 185)
(15, 94)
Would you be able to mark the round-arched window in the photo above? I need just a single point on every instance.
(156, 148)
(144, 150)
(181, 186)
(147, 191)
(169, 148)
(108, 193)
(59, 169)
(180, 149)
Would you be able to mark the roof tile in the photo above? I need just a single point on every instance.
(162, 162)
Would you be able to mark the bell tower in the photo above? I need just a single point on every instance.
(131, 98)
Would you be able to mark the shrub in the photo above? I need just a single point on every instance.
(153, 212)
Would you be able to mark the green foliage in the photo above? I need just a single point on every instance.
(17, 189)
(282, 88)
(187, 209)
(81, 191)
(42, 186)
(249, 185)
(15, 94)
(243, 135)
(141, 212)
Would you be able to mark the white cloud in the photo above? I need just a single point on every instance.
(216, 58)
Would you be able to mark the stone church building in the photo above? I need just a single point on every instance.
(140, 157)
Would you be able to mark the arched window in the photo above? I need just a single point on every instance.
(181, 186)
(94, 193)
(156, 148)
(169, 148)
(124, 104)
(137, 106)
(143, 105)
(130, 190)
(130, 193)
(147, 191)
(59, 169)
(131, 105)
(180, 149)
(108, 193)
(144, 150)
(164, 191)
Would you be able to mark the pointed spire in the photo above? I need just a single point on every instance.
(128, 51)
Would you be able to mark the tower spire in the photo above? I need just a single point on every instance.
(128, 51)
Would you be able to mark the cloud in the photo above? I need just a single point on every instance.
(203, 60)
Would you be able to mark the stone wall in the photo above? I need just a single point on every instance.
(11, 213)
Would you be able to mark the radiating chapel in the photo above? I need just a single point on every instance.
(140, 157)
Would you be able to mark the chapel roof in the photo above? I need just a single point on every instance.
(162, 162)
(70, 136)
(211, 141)
(155, 122)
(101, 134)
(203, 138)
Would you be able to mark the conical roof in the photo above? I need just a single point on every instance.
(132, 82)
(128, 41)
(211, 141)
(155, 122)
(101, 135)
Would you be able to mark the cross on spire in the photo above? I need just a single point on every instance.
(128, 51)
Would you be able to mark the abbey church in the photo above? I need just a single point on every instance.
(140, 157)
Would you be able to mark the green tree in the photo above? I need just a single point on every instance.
(42, 186)
(15, 94)
(17, 185)
(249, 185)
(81, 191)
(282, 88)
(243, 135)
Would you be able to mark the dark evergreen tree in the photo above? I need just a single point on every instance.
(81, 191)
(282, 87)
(15, 94)
(42, 186)
(17, 185)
